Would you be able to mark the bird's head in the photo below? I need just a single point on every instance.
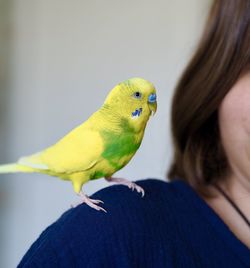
(134, 99)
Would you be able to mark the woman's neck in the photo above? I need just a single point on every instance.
(238, 189)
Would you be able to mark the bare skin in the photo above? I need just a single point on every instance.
(234, 123)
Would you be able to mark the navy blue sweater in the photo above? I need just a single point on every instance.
(171, 226)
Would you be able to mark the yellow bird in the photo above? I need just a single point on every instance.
(102, 145)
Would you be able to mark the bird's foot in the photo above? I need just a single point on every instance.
(90, 202)
(128, 183)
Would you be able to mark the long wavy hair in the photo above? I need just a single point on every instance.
(222, 56)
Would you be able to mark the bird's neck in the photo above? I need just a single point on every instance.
(118, 120)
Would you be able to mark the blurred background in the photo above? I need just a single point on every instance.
(58, 61)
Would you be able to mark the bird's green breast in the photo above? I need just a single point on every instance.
(120, 146)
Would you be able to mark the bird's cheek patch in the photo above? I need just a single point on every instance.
(137, 113)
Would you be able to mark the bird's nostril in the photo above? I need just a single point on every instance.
(152, 98)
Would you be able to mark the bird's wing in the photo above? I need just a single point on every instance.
(80, 150)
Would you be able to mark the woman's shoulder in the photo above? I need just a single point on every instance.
(120, 202)
(124, 205)
(130, 218)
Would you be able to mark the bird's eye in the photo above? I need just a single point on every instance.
(137, 95)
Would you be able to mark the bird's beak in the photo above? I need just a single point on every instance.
(152, 103)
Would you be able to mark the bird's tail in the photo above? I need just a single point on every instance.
(10, 168)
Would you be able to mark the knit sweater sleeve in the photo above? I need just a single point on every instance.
(122, 237)
(171, 226)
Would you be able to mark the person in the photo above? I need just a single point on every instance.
(200, 217)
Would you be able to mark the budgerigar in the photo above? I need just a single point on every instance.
(102, 145)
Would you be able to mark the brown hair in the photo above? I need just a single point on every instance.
(223, 54)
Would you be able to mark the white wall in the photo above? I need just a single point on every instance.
(64, 57)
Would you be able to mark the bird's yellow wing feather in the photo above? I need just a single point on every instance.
(79, 150)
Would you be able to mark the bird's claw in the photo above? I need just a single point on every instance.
(99, 208)
(138, 188)
(96, 201)
(131, 185)
(90, 202)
